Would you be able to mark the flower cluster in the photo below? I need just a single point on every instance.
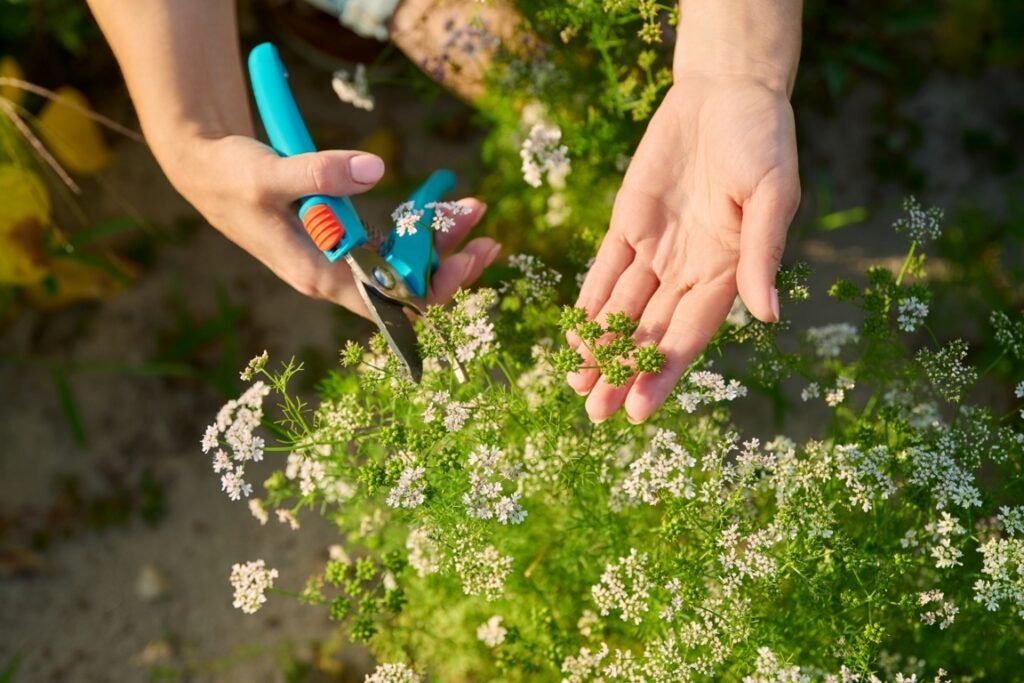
(251, 581)
(235, 428)
(543, 154)
(483, 572)
(920, 224)
(858, 547)
(704, 388)
(492, 633)
(486, 498)
(393, 673)
(625, 588)
(354, 88)
(912, 312)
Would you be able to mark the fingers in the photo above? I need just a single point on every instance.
(630, 295)
(694, 321)
(611, 262)
(766, 218)
(462, 269)
(605, 399)
(334, 173)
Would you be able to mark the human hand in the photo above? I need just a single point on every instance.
(245, 190)
(702, 213)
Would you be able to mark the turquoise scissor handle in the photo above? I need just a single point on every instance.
(413, 256)
(288, 136)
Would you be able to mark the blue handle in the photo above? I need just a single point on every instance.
(288, 136)
(413, 256)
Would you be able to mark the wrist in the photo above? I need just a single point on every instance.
(754, 39)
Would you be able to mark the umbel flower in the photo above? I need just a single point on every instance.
(483, 507)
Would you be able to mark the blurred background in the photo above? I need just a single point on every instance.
(124, 318)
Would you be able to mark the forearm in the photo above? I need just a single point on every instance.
(751, 38)
(181, 62)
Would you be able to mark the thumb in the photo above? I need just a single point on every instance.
(766, 218)
(334, 173)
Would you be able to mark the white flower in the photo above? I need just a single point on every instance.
(234, 427)
(812, 390)
(943, 532)
(455, 414)
(210, 439)
(945, 612)
(491, 633)
(588, 623)
(738, 314)
(705, 387)
(558, 210)
(309, 472)
(483, 572)
(624, 587)
(1012, 520)
(661, 471)
(353, 89)
(337, 553)
(393, 673)
(829, 340)
(251, 581)
(258, 511)
(1019, 391)
(864, 474)
(938, 472)
(406, 219)
(287, 517)
(424, 553)
(233, 484)
(1003, 566)
(221, 461)
(538, 281)
(912, 312)
(837, 394)
(410, 490)
(255, 365)
(920, 224)
(486, 498)
(543, 154)
(445, 213)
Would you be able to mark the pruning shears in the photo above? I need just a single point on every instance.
(390, 280)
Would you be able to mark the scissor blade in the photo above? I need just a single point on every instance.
(396, 327)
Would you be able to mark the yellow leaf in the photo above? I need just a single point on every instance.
(24, 218)
(9, 68)
(71, 136)
(73, 281)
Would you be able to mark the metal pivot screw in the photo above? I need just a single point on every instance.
(383, 278)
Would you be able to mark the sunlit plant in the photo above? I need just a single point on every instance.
(489, 531)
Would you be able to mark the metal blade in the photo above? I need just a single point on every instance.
(396, 327)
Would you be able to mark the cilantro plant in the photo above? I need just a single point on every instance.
(488, 531)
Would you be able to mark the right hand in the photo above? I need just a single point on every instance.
(245, 190)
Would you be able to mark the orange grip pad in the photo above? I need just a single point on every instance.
(323, 226)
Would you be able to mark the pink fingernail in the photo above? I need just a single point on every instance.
(366, 168)
(775, 304)
(493, 253)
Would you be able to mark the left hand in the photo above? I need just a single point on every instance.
(702, 214)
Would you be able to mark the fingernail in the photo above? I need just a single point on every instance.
(493, 253)
(775, 304)
(366, 168)
(633, 421)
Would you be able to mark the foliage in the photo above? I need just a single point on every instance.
(492, 533)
